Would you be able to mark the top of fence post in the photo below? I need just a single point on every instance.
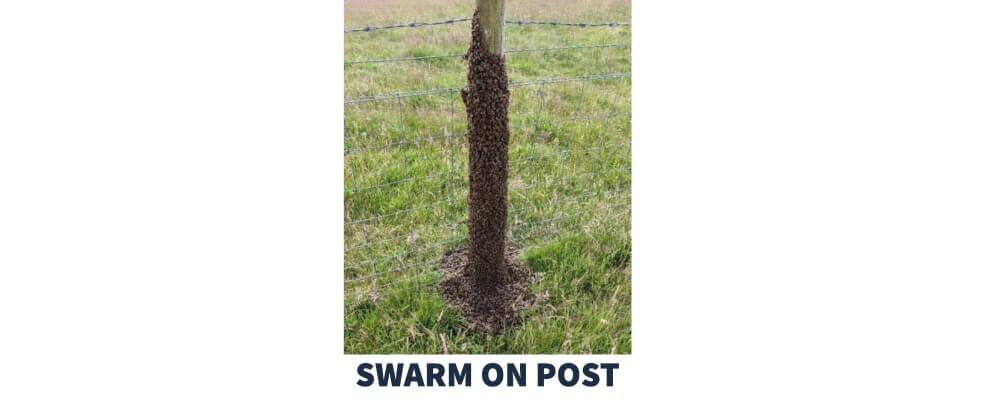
(491, 19)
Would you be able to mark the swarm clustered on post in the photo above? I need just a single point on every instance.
(486, 99)
(485, 280)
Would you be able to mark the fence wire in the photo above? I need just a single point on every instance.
(515, 51)
(417, 24)
(512, 84)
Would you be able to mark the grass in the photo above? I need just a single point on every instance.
(405, 178)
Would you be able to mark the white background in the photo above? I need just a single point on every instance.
(816, 200)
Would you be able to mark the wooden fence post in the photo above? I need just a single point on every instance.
(491, 18)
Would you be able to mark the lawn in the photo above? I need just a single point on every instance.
(406, 178)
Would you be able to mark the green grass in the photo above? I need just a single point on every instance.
(405, 178)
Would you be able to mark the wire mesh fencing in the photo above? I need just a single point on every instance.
(417, 24)
(406, 166)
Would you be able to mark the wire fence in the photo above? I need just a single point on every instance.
(515, 51)
(406, 165)
(391, 96)
(416, 24)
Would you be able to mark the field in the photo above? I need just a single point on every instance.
(405, 177)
